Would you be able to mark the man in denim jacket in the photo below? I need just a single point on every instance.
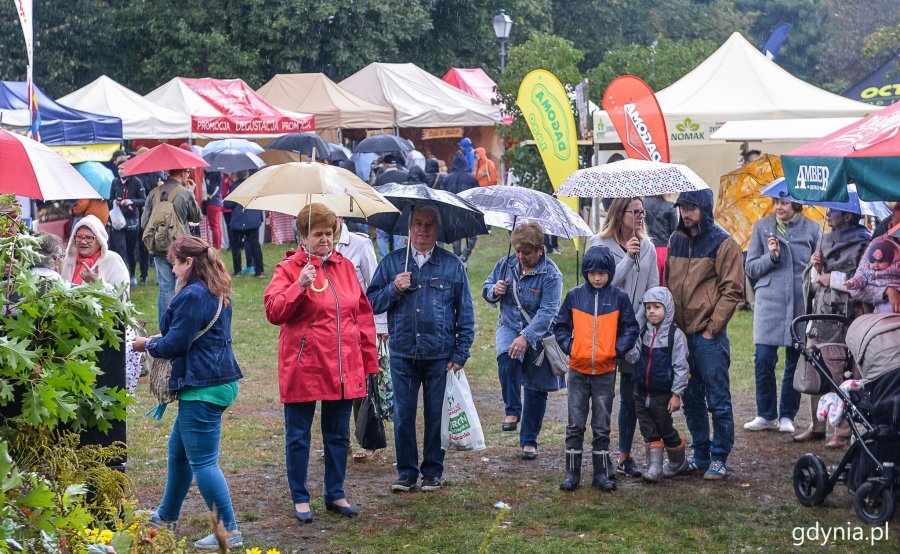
(432, 326)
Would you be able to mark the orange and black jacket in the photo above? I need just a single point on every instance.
(595, 326)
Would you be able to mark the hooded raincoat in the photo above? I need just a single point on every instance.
(485, 170)
(112, 269)
(460, 178)
(658, 368)
(705, 273)
(594, 326)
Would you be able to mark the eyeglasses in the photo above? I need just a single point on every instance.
(636, 213)
(85, 238)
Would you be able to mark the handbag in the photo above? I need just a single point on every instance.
(836, 358)
(369, 422)
(161, 372)
(551, 353)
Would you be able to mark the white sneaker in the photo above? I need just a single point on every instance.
(761, 424)
(785, 425)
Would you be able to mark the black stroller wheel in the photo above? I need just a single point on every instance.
(810, 480)
(874, 503)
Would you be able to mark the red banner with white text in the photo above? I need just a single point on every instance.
(636, 115)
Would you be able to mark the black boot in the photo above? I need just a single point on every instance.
(573, 471)
(601, 472)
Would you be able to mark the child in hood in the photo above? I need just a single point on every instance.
(595, 325)
(881, 270)
(660, 377)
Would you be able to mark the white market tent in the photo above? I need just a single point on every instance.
(141, 118)
(737, 82)
(418, 98)
(781, 129)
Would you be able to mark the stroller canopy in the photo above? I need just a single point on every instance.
(874, 341)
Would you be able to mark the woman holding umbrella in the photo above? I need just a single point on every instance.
(527, 287)
(636, 273)
(325, 350)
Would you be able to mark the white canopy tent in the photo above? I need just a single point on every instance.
(781, 129)
(418, 98)
(736, 83)
(141, 118)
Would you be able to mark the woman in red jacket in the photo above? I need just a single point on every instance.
(325, 350)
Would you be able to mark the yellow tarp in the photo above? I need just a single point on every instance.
(740, 204)
(78, 153)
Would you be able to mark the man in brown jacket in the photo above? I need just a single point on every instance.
(705, 272)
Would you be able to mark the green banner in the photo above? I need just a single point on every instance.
(816, 178)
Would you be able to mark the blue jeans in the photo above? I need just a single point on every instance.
(765, 360)
(165, 276)
(509, 372)
(709, 392)
(194, 454)
(335, 422)
(627, 413)
(533, 409)
(409, 375)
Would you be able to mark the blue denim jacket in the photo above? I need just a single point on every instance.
(434, 319)
(539, 292)
(207, 361)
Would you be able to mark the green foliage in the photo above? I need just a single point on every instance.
(50, 335)
(556, 55)
(661, 63)
(884, 39)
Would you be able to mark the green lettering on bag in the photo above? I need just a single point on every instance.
(459, 424)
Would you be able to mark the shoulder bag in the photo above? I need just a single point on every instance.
(550, 351)
(161, 372)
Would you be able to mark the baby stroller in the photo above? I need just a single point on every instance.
(868, 467)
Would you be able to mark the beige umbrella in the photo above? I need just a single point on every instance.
(287, 188)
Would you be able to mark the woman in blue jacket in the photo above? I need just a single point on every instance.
(538, 288)
(205, 377)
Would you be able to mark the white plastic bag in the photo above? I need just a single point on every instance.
(460, 426)
(116, 217)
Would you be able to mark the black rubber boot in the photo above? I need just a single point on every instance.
(601, 472)
(573, 471)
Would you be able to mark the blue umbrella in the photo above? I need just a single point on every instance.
(238, 145)
(231, 161)
(98, 175)
(778, 189)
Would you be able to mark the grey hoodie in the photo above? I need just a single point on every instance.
(679, 352)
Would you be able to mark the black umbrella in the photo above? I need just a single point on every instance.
(380, 144)
(301, 143)
(337, 153)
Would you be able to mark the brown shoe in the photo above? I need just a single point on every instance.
(809, 435)
(837, 442)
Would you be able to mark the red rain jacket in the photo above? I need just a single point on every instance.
(327, 341)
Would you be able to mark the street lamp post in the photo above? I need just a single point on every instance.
(502, 26)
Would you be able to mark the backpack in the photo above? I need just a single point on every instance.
(163, 227)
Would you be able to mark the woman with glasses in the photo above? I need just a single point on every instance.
(624, 234)
(528, 282)
(89, 259)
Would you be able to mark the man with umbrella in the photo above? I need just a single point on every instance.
(431, 323)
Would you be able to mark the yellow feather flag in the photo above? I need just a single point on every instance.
(546, 108)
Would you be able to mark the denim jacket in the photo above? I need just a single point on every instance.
(207, 361)
(432, 320)
(539, 292)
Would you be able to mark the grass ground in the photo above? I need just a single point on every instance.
(754, 509)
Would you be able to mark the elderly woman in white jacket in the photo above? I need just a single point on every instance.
(89, 259)
(636, 272)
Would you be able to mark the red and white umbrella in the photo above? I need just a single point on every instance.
(29, 168)
(163, 158)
